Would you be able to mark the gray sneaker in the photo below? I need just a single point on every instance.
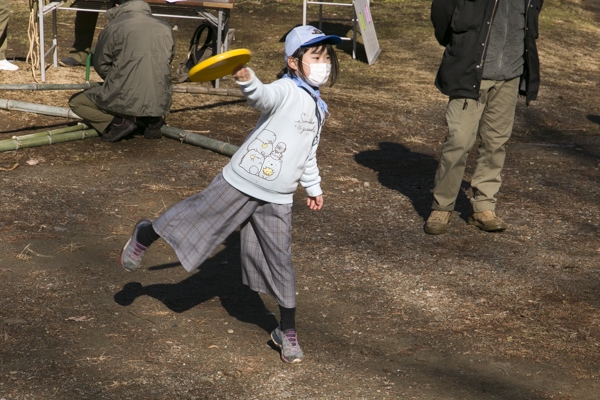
(287, 341)
(131, 256)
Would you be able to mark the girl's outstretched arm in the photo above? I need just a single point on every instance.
(241, 74)
(314, 203)
(262, 97)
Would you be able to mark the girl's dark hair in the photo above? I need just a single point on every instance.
(319, 49)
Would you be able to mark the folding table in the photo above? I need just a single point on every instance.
(189, 9)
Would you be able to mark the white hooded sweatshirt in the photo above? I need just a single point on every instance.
(281, 150)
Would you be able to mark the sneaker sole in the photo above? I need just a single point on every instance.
(122, 261)
(296, 361)
(127, 244)
(122, 252)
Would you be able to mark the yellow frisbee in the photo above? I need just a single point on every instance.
(219, 66)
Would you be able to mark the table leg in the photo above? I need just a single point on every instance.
(219, 38)
(55, 37)
(42, 50)
(354, 23)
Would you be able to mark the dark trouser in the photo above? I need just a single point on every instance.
(491, 116)
(85, 27)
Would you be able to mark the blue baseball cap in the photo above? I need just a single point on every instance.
(304, 36)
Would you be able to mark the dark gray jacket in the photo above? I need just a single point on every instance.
(133, 56)
(463, 27)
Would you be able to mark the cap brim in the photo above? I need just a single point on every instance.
(330, 39)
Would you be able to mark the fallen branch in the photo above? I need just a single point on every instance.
(9, 169)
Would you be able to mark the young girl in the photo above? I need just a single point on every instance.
(256, 188)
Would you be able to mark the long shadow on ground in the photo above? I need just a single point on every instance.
(409, 173)
(219, 276)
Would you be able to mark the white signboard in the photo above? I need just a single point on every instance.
(367, 30)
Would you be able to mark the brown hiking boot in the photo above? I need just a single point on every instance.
(437, 223)
(487, 221)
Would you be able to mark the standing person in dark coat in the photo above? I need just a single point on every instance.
(133, 56)
(490, 58)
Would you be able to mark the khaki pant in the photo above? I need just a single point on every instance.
(4, 14)
(492, 116)
(87, 109)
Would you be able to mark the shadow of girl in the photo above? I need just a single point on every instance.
(218, 276)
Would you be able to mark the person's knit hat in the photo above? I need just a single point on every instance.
(304, 36)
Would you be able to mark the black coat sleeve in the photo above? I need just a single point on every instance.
(441, 17)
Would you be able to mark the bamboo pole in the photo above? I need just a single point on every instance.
(49, 86)
(37, 108)
(80, 126)
(71, 132)
(16, 143)
(206, 90)
(83, 86)
(199, 140)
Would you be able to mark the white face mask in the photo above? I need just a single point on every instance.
(319, 73)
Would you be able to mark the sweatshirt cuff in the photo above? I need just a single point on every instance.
(247, 83)
(314, 190)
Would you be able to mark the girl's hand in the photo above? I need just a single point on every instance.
(314, 203)
(241, 74)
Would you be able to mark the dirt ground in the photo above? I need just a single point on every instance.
(384, 310)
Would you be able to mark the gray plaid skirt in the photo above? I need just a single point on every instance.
(196, 226)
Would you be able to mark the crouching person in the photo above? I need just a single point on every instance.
(133, 57)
